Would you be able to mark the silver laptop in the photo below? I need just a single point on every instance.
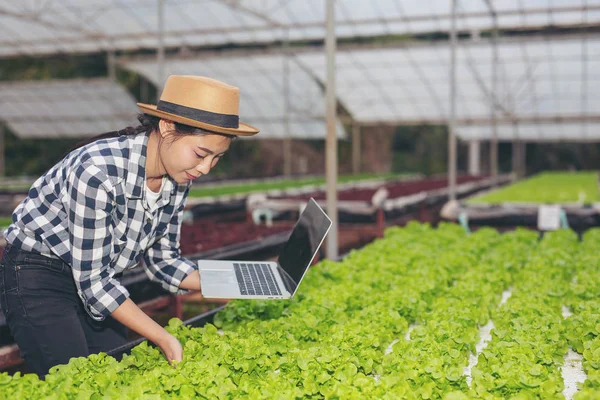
(267, 279)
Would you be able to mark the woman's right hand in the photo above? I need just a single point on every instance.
(171, 348)
(130, 315)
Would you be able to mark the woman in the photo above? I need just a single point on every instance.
(101, 210)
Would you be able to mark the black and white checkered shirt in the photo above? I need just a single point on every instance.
(90, 211)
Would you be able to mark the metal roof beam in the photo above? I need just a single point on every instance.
(35, 17)
(407, 44)
(466, 138)
(476, 121)
(491, 8)
(317, 24)
(236, 5)
(460, 121)
(58, 119)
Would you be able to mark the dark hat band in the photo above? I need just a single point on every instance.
(220, 120)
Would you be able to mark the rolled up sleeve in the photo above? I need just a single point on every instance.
(163, 260)
(90, 201)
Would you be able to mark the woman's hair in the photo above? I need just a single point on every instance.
(149, 123)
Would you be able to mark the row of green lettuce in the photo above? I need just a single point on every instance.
(583, 300)
(283, 184)
(349, 331)
(21, 185)
(548, 187)
(526, 353)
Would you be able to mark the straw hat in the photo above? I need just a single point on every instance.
(200, 102)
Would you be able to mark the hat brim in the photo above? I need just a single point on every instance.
(242, 130)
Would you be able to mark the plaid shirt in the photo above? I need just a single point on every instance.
(90, 211)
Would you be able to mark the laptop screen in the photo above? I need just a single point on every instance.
(304, 242)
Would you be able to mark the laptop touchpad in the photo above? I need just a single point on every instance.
(217, 276)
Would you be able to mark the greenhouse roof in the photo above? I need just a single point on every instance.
(542, 81)
(70, 26)
(540, 84)
(537, 80)
(65, 108)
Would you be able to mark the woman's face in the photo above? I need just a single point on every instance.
(188, 157)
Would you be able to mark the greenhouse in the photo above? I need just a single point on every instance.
(403, 199)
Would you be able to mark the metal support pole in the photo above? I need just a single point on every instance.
(356, 148)
(515, 150)
(584, 70)
(144, 90)
(494, 142)
(518, 152)
(331, 141)
(287, 156)
(2, 161)
(111, 64)
(160, 53)
(287, 141)
(515, 157)
(112, 75)
(452, 121)
(474, 157)
(522, 159)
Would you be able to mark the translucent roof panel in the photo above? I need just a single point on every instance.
(545, 132)
(71, 26)
(387, 84)
(262, 97)
(66, 108)
(536, 79)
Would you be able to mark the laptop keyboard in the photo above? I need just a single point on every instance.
(256, 279)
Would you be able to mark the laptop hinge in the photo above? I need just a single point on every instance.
(287, 280)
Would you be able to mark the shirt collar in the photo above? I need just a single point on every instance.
(136, 170)
(136, 167)
(167, 192)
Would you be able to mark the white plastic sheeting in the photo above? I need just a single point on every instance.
(538, 80)
(571, 132)
(262, 95)
(65, 108)
(41, 27)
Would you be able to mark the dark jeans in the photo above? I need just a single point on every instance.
(45, 315)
